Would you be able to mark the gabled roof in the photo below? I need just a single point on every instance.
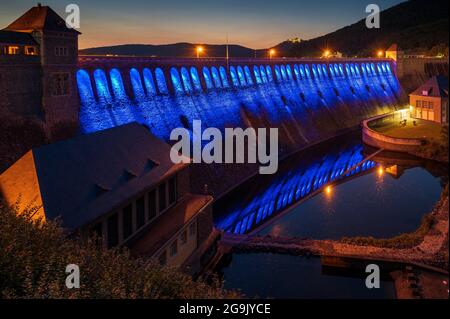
(437, 86)
(83, 178)
(13, 37)
(40, 18)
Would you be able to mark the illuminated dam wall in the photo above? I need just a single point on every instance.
(307, 100)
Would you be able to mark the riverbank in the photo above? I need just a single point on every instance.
(427, 246)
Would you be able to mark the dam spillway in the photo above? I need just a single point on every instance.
(307, 100)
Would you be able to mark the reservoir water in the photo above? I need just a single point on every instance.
(325, 192)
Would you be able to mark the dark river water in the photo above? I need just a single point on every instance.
(325, 192)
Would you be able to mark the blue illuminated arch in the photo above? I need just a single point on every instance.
(234, 77)
(257, 74)
(176, 80)
(149, 82)
(269, 73)
(248, 75)
(283, 72)
(216, 77)
(278, 73)
(297, 72)
(84, 85)
(314, 71)
(186, 80)
(241, 76)
(302, 71)
(324, 70)
(101, 84)
(161, 81)
(262, 71)
(207, 77)
(136, 82)
(223, 77)
(289, 72)
(117, 83)
(196, 79)
(307, 72)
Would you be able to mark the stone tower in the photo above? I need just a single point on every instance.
(58, 46)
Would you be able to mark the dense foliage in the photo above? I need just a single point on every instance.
(34, 256)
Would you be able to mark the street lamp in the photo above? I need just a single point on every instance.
(327, 53)
(199, 50)
(380, 53)
(271, 53)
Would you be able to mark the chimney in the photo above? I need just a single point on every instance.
(39, 5)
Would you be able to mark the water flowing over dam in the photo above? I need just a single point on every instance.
(307, 100)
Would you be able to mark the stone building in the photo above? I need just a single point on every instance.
(38, 64)
(430, 100)
(120, 184)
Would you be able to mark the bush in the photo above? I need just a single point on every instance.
(34, 255)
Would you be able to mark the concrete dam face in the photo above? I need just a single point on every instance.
(307, 100)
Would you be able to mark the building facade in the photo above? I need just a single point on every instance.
(430, 101)
(121, 185)
(38, 64)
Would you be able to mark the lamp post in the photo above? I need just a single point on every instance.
(380, 53)
(271, 53)
(199, 50)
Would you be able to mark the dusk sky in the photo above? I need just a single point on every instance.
(252, 23)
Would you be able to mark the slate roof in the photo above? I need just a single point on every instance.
(85, 177)
(14, 37)
(437, 86)
(40, 18)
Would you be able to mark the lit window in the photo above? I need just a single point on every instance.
(13, 50)
(419, 103)
(430, 105)
(30, 51)
(174, 248)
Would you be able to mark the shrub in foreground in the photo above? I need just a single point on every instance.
(34, 256)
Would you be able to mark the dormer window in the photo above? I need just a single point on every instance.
(13, 50)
